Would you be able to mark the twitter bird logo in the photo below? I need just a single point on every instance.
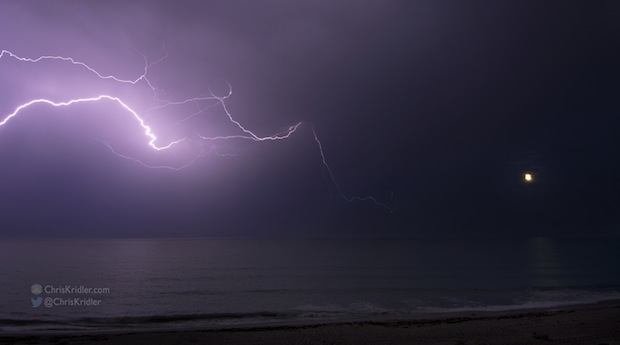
(36, 301)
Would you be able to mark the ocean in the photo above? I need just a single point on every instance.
(140, 284)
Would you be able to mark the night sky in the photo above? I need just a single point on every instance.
(442, 104)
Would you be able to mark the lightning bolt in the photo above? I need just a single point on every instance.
(391, 209)
(147, 130)
(151, 138)
(77, 63)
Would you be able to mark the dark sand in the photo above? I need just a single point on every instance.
(593, 324)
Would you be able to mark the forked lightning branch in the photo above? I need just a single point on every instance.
(149, 134)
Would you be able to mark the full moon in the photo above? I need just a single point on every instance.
(528, 177)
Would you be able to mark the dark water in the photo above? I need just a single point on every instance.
(222, 282)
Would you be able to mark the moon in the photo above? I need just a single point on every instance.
(528, 177)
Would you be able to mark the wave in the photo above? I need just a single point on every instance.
(399, 302)
(138, 322)
(554, 301)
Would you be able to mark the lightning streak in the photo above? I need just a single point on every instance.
(81, 64)
(391, 209)
(152, 139)
(147, 130)
(152, 166)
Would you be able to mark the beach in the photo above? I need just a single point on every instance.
(322, 291)
(589, 324)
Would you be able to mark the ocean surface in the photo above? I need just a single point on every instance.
(112, 284)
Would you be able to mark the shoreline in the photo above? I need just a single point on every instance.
(595, 323)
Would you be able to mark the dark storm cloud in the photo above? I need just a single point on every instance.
(445, 104)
